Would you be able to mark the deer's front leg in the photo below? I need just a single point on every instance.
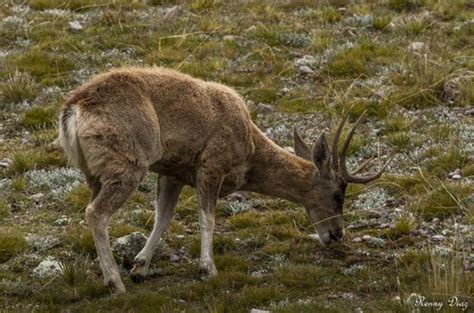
(167, 197)
(208, 188)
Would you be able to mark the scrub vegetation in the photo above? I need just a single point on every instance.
(302, 63)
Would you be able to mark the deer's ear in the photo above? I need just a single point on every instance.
(301, 148)
(321, 154)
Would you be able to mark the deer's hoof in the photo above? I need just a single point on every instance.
(207, 271)
(137, 278)
(139, 271)
(117, 287)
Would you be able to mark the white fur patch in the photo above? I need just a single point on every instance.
(68, 137)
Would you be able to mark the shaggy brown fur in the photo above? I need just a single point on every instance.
(125, 122)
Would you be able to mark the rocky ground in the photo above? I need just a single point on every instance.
(409, 242)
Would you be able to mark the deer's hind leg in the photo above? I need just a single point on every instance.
(114, 190)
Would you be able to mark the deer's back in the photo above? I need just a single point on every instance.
(166, 117)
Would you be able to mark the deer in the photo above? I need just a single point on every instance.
(128, 121)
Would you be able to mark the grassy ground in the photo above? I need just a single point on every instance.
(410, 63)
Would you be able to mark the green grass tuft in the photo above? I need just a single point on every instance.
(18, 87)
(78, 198)
(47, 68)
(405, 5)
(12, 242)
(39, 117)
(444, 201)
(24, 161)
(356, 61)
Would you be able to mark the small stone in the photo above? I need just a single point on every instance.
(469, 111)
(42, 243)
(5, 163)
(37, 196)
(357, 239)
(265, 108)
(453, 173)
(257, 274)
(373, 214)
(417, 47)
(435, 220)
(347, 295)
(456, 177)
(366, 237)
(379, 242)
(75, 26)
(173, 13)
(259, 311)
(127, 247)
(49, 267)
(250, 29)
(314, 236)
(438, 237)
(179, 236)
(229, 38)
(64, 220)
(445, 231)
(174, 258)
(396, 299)
(305, 69)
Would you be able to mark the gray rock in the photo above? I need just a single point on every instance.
(305, 70)
(417, 47)
(379, 242)
(127, 247)
(366, 237)
(64, 220)
(353, 269)
(348, 296)
(174, 258)
(265, 108)
(42, 243)
(37, 196)
(48, 268)
(445, 232)
(259, 311)
(229, 38)
(455, 172)
(314, 236)
(357, 239)
(438, 237)
(456, 177)
(306, 60)
(5, 163)
(173, 13)
(469, 111)
(257, 274)
(250, 29)
(75, 26)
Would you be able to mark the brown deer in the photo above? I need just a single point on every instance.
(128, 121)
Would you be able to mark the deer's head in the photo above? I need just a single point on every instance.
(325, 199)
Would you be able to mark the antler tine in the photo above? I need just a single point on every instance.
(360, 168)
(335, 143)
(342, 161)
(364, 180)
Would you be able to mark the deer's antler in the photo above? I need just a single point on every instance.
(339, 162)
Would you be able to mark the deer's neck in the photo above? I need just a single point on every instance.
(277, 172)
